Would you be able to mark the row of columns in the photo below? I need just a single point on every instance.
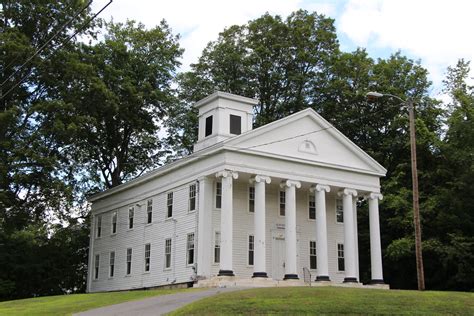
(291, 270)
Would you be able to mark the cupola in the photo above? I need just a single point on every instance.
(221, 116)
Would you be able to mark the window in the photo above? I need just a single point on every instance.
(114, 222)
(168, 253)
(131, 213)
(149, 211)
(339, 211)
(129, 261)
(340, 257)
(208, 126)
(147, 257)
(190, 249)
(99, 226)
(235, 124)
(282, 203)
(218, 194)
(169, 204)
(312, 255)
(251, 250)
(252, 199)
(192, 197)
(96, 266)
(217, 247)
(112, 264)
(312, 207)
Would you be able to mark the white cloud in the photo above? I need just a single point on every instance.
(437, 32)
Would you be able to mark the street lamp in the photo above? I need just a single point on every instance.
(414, 175)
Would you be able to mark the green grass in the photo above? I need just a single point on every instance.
(69, 304)
(332, 300)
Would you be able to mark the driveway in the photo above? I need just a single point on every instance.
(158, 305)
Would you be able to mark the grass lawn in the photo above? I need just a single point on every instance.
(332, 300)
(69, 304)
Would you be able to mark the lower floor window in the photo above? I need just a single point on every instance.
(340, 257)
(217, 247)
(96, 266)
(112, 264)
(147, 257)
(129, 261)
(251, 250)
(168, 253)
(190, 248)
(312, 255)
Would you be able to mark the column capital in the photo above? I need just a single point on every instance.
(375, 196)
(290, 183)
(227, 173)
(260, 178)
(319, 188)
(347, 191)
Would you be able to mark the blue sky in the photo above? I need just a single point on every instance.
(435, 32)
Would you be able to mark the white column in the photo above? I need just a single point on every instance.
(259, 268)
(356, 238)
(227, 177)
(291, 270)
(204, 236)
(375, 247)
(349, 242)
(321, 232)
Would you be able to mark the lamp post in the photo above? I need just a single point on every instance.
(414, 175)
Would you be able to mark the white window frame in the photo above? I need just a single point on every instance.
(113, 222)
(96, 266)
(279, 202)
(251, 198)
(168, 252)
(149, 211)
(192, 197)
(343, 256)
(147, 258)
(250, 248)
(217, 246)
(216, 191)
(311, 196)
(131, 217)
(128, 261)
(342, 211)
(189, 248)
(112, 264)
(169, 204)
(313, 255)
(98, 229)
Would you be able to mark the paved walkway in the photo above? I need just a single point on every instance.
(158, 305)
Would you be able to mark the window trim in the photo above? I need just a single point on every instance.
(168, 205)
(112, 273)
(190, 197)
(250, 186)
(114, 214)
(188, 249)
(145, 258)
(309, 199)
(165, 267)
(131, 219)
(279, 203)
(250, 250)
(149, 211)
(313, 255)
(343, 256)
(214, 248)
(335, 212)
(127, 267)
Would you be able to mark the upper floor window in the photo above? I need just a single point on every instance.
(147, 257)
(192, 197)
(99, 226)
(340, 257)
(339, 211)
(235, 124)
(169, 205)
(312, 255)
(251, 199)
(190, 249)
(149, 211)
(218, 194)
(114, 222)
(131, 214)
(208, 126)
(312, 207)
(282, 203)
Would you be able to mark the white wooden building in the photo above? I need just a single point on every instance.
(262, 203)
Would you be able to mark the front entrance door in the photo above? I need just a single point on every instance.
(278, 257)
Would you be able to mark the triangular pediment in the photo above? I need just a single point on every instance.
(309, 137)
